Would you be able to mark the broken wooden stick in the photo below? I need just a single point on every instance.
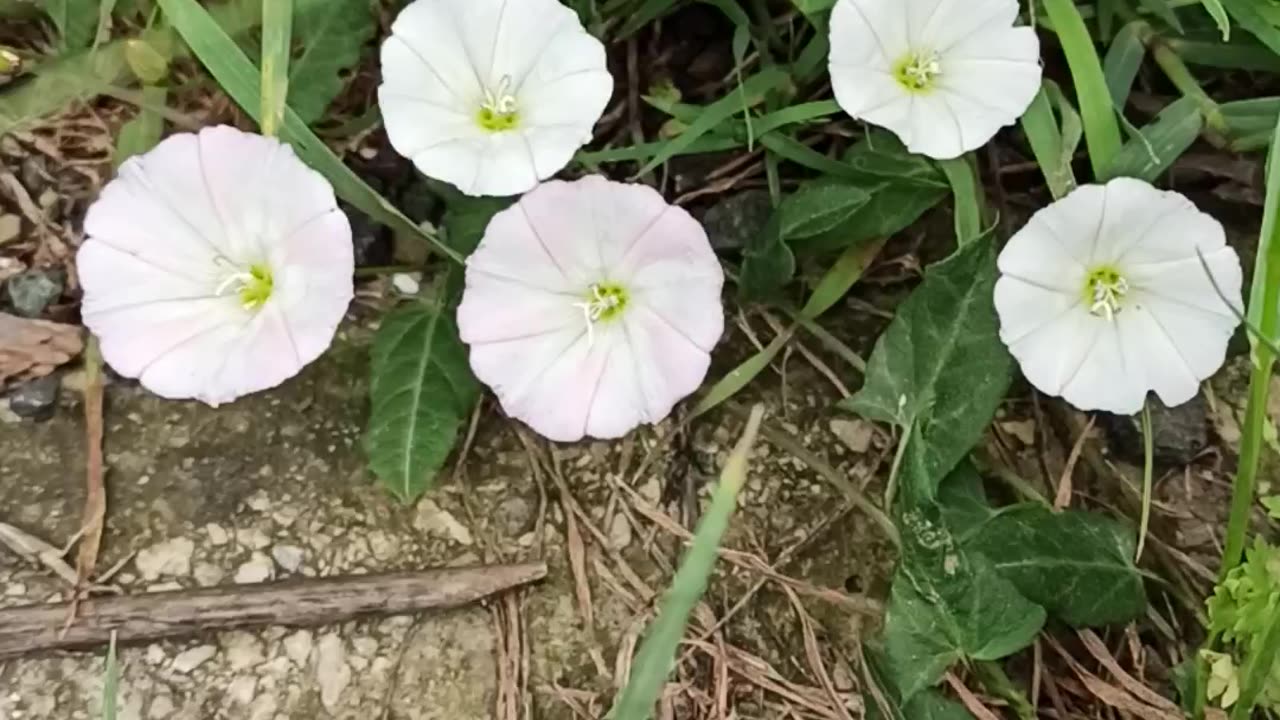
(153, 616)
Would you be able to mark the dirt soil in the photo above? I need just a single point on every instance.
(274, 486)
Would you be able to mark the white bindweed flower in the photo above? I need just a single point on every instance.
(591, 307)
(1103, 297)
(214, 266)
(944, 75)
(491, 95)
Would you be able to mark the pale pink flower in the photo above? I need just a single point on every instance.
(214, 266)
(591, 307)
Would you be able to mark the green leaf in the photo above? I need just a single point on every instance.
(767, 263)
(143, 132)
(1248, 16)
(898, 188)
(1219, 14)
(1078, 565)
(940, 370)
(949, 605)
(421, 393)
(1162, 10)
(718, 112)
(657, 651)
(1123, 60)
(967, 198)
(332, 39)
(841, 276)
(813, 7)
(76, 21)
(238, 76)
(277, 43)
(926, 705)
(1160, 143)
(1101, 130)
(820, 207)
(1054, 143)
(111, 682)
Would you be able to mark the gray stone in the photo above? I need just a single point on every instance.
(1179, 433)
(32, 291)
(36, 400)
(332, 673)
(734, 221)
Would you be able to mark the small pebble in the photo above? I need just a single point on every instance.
(34, 290)
(189, 660)
(288, 557)
(257, 569)
(36, 400)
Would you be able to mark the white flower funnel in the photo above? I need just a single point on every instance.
(944, 75)
(491, 95)
(215, 266)
(1103, 297)
(591, 307)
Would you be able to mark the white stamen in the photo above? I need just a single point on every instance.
(237, 281)
(1107, 297)
(593, 310)
(500, 101)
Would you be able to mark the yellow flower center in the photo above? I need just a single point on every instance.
(253, 286)
(499, 112)
(917, 71)
(1104, 291)
(603, 302)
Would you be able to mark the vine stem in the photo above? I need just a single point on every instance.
(1264, 314)
(1147, 443)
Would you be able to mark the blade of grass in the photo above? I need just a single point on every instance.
(1219, 15)
(1264, 314)
(965, 191)
(1053, 145)
(753, 89)
(1246, 15)
(1123, 60)
(657, 651)
(739, 377)
(236, 73)
(105, 9)
(1102, 132)
(846, 271)
(277, 42)
(111, 682)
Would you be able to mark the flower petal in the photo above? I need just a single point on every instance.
(426, 54)
(952, 22)
(1025, 307)
(495, 309)
(868, 33)
(1104, 381)
(1157, 362)
(671, 365)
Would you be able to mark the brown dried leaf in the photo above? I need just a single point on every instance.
(33, 348)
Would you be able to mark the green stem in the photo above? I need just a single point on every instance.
(1102, 132)
(1147, 459)
(998, 683)
(1180, 75)
(1264, 313)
